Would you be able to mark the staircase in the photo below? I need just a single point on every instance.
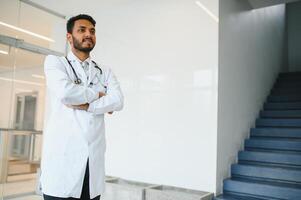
(270, 166)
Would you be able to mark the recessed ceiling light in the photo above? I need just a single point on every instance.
(4, 52)
(21, 81)
(215, 18)
(38, 76)
(26, 31)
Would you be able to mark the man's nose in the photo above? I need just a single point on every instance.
(88, 34)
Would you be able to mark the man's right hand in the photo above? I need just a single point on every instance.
(101, 94)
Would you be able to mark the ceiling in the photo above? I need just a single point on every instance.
(88, 6)
(68, 8)
(265, 3)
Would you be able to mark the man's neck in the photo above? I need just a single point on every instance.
(80, 54)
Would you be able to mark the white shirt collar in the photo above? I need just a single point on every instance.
(73, 57)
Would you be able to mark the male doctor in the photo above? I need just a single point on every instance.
(80, 92)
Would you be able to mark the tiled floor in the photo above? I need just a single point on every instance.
(125, 190)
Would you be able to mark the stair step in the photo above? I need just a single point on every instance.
(278, 122)
(276, 132)
(282, 106)
(280, 114)
(270, 158)
(234, 197)
(20, 177)
(270, 166)
(19, 168)
(288, 78)
(269, 144)
(289, 74)
(267, 173)
(261, 189)
(288, 91)
(285, 85)
(284, 98)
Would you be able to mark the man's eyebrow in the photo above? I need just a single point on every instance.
(87, 27)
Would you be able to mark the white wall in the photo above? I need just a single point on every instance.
(251, 53)
(294, 36)
(165, 55)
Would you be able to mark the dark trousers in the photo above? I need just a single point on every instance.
(85, 190)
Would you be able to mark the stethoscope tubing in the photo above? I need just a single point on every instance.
(77, 79)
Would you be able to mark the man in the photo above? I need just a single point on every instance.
(80, 93)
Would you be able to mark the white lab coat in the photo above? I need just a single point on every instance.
(72, 136)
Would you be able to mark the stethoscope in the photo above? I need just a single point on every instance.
(77, 79)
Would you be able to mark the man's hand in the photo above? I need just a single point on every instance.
(80, 107)
(86, 105)
(101, 94)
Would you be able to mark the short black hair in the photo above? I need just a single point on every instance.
(71, 21)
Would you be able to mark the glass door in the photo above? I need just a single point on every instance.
(24, 131)
(27, 34)
(6, 88)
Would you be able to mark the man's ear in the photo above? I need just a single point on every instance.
(69, 38)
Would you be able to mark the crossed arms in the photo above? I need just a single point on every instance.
(86, 105)
(79, 96)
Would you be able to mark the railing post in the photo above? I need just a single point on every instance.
(3, 156)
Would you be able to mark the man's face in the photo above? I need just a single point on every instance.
(83, 36)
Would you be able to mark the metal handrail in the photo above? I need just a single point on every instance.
(24, 131)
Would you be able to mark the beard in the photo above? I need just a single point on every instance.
(78, 45)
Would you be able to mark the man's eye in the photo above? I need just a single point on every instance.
(81, 30)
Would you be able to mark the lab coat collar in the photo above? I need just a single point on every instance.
(92, 69)
(76, 63)
(93, 72)
(73, 58)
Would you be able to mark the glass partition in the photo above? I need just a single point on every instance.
(7, 62)
(22, 89)
(35, 26)
(22, 92)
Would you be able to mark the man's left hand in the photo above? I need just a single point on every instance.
(83, 107)
(80, 107)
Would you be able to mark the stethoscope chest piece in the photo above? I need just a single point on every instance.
(78, 81)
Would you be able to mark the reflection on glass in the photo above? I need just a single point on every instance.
(25, 119)
(22, 21)
(22, 92)
(6, 70)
